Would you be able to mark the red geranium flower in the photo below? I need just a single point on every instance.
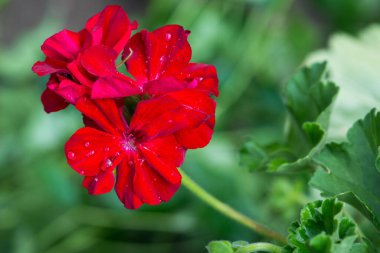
(160, 63)
(146, 152)
(110, 28)
(172, 108)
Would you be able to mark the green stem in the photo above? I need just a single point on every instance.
(227, 210)
(260, 246)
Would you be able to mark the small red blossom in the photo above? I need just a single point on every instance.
(159, 63)
(110, 29)
(146, 152)
(133, 148)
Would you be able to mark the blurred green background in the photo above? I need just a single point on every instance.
(255, 45)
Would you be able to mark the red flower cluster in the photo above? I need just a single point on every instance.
(140, 125)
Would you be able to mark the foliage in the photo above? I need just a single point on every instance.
(358, 80)
(240, 247)
(351, 169)
(321, 229)
(308, 97)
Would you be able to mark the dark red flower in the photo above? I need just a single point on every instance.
(146, 152)
(140, 125)
(160, 63)
(110, 28)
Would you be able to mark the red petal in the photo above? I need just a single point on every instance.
(52, 102)
(205, 75)
(69, 90)
(178, 50)
(138, 183)
(90, 151)
(172, 112)
(111, 27)
(114, 87)
(150, 186)
(197, 137)
(162, 52)
(167, 149)
(166, 171)
(63, 46)
(125, 186)
(104, 112)
(80, 73)
(157, 117)
(43, 68)
(138, 64)
(164, 85)
(99, 184)
(99, 60)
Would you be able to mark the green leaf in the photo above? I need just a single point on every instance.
(350, 171)
(317, 232)
(239, 244)
(307, 95)
(321, 243)
(359, 248)
(308, 98)
(253, 156)
(346, 245)
(357, 79)
(219, 247)
(378, 160)
(346, 228)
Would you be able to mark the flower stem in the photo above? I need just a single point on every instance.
(260, 246)
(227, 210)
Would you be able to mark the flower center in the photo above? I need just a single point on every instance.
(129, 143)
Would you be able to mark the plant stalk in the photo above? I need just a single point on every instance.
(227, 210)
(260, 246)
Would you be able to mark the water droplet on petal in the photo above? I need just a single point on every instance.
(130, 163)
(96, 179)
(91, 153)
(200, 79)
(117, 153)
(168, 36)
(107, 163)
(71, 155)
(106, 149)
(162, 59)
(81, 172)
(87, 144)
